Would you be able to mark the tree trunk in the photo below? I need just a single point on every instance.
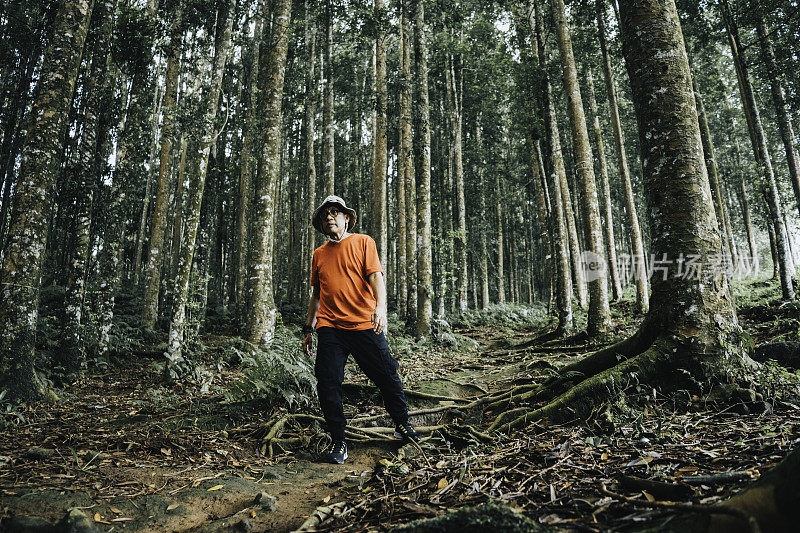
(247, 166)
(328, 162)
(599, 317)
(608, 226)
(154, 260)
(754, 261)
(554, 170)
(379, 164)
(27, 236)
(758, 140)
(261, 313)
(310, 169)
(222, 43)
(638, 260)
(408, 166)
(403, 162)
(88, 170)
(690, 336)
(177, 222)
(457, 120)
(422, 172)
(713, 176)
(778, 99)
(481, 222)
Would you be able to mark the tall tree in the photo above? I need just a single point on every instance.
(261, 312)
(88, 167)
(638, 256)
(208, 136)
(759, 142)
(779, 101)
(310, 167)
(422, 173)
(328, 154)
(599, 316)
(605, 190)
(690, 336)
(455, 91)
(248, 162)
(30, 214)
(554, 169)
(152, 280)
(379, 211)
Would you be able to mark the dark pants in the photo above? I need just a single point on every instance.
(371, 352)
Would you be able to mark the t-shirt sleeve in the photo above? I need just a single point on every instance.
(314, 270)
(372, 263)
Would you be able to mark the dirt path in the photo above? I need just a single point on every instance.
(148, 461)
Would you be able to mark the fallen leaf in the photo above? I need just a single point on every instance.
(97, 517)
(442, 483)
(115, 510)
(326, 499)
(121, 519)
(216, 487)
(649, 496)
(172, 506)
(166, 452)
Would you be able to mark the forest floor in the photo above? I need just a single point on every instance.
(149, 459)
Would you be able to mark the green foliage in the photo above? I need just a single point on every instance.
(503, 315)
(281, 375)
(133, 39)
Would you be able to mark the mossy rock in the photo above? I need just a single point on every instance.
(478, 519)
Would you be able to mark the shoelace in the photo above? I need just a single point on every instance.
(335, 449)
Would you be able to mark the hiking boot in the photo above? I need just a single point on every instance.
(406, 433)
(337, 453)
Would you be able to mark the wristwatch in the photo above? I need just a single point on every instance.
(308, 329)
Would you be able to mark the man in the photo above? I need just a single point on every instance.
(348, 311)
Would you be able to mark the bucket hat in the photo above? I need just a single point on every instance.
(316, 218)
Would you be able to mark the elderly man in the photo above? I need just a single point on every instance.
(348, 311)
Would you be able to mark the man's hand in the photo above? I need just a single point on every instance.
(379, 319)
(308, 341)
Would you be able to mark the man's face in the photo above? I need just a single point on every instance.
(334, 221)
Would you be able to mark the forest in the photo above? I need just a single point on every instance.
(587, 216)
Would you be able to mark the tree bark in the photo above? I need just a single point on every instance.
(328, 157)
(175, 339)
(554, 169)
(379, 164)
(455, 103)
(422, 172)
(608, 218)
(713, 176)
(638, 260)
(409, 178)
(87, 171)
(599, 317)
(779, 101)
(247, 166)
(156, 244)
(484, 248)
(261, 314)
(403, 163)
(310, 168)
(27, 236)
(758, 140)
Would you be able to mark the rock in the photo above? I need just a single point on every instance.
(76, 521)
(485, 517)
(266, 501)
(27, 524)
(39, 453)
(244, 525)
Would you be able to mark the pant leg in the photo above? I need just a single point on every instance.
(371, 352)
(329, 370)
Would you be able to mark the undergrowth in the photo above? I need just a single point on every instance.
(280, 376)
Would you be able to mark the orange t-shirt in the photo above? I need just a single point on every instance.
(342, 269)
